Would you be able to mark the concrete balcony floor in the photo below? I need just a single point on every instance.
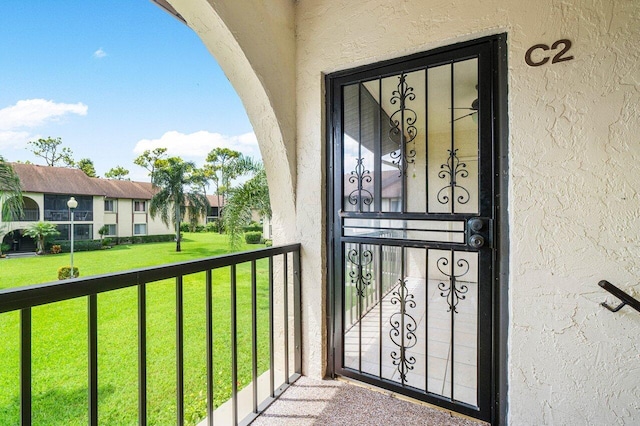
(333, 402)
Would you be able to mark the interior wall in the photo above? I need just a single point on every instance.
(573, 203)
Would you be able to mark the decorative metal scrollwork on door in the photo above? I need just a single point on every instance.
(360, 176)
(403, 327)
(453, 169)
(403, 122)
(359, 277)
(452, 292)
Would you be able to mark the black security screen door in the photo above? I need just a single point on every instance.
(412, 225)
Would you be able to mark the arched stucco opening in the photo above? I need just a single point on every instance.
(15, 241)
(254, 42)
(31, 210)
(263, 75)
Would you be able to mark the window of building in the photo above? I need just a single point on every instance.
(139, 206)
(56, 209)
(111, 230)
(110, 205)
(80, 232)
(140, 229)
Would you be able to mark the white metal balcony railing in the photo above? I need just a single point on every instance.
(64, 216)
(28, 215)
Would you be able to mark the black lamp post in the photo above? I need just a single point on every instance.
(72, 204)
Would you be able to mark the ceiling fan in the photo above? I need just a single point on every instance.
(474, 110)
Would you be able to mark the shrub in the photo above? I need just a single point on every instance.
(253, 227)
(154, 238)
(107, 242)
(253, 237)
(81, 245)
(141, 239)
(55, 249)
(211, 227)
(104, 230)
(199, 228)
(4, 248)
(64, 272)
(185, 227)
(268, 243)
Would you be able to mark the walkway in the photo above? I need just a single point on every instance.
(330, 402)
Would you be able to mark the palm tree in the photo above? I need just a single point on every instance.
(252, 195)
(40, 231)
(10, 192)
(224, 165)
(177, 189)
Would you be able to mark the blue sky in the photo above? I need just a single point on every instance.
(112, 78)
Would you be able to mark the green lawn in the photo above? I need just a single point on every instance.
(60, 337)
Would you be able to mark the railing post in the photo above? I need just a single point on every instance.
(179, 352)
(234, 349)
(142, 354)
(254, 336)
(25, 367)
(285, 296)
(93, 359)
(271, 331)
(210, 376)
(297, 312)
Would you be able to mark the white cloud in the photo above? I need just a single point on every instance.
(198, 144)
(99, 54)
(36, 112)
(9, 139)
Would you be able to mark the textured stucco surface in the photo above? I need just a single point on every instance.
(254, 43)
(574, 205)
(574, 148)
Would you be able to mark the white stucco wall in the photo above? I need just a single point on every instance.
(125, 218)
(574, 202)
(98, 215)
(574, 150)
(254, 43)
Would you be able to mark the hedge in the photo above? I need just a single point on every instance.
(253, 227)
(89, 245)
(141, 239)
(80, 245)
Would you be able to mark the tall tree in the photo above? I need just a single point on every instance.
(53, 153)
(40, 232)
(176, 191)
(86, 165)
(10, 192)
(250, 196)
(118, 173)
(223, 166)
(152, 160)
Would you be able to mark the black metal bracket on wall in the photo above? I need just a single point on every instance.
(626, 299)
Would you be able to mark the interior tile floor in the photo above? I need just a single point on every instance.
(432, 348)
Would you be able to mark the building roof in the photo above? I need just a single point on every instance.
(63, 180)
(213, 200)
(114, 188)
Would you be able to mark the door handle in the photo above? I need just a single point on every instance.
(476, 241)
(476, 224)
(478, 232)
